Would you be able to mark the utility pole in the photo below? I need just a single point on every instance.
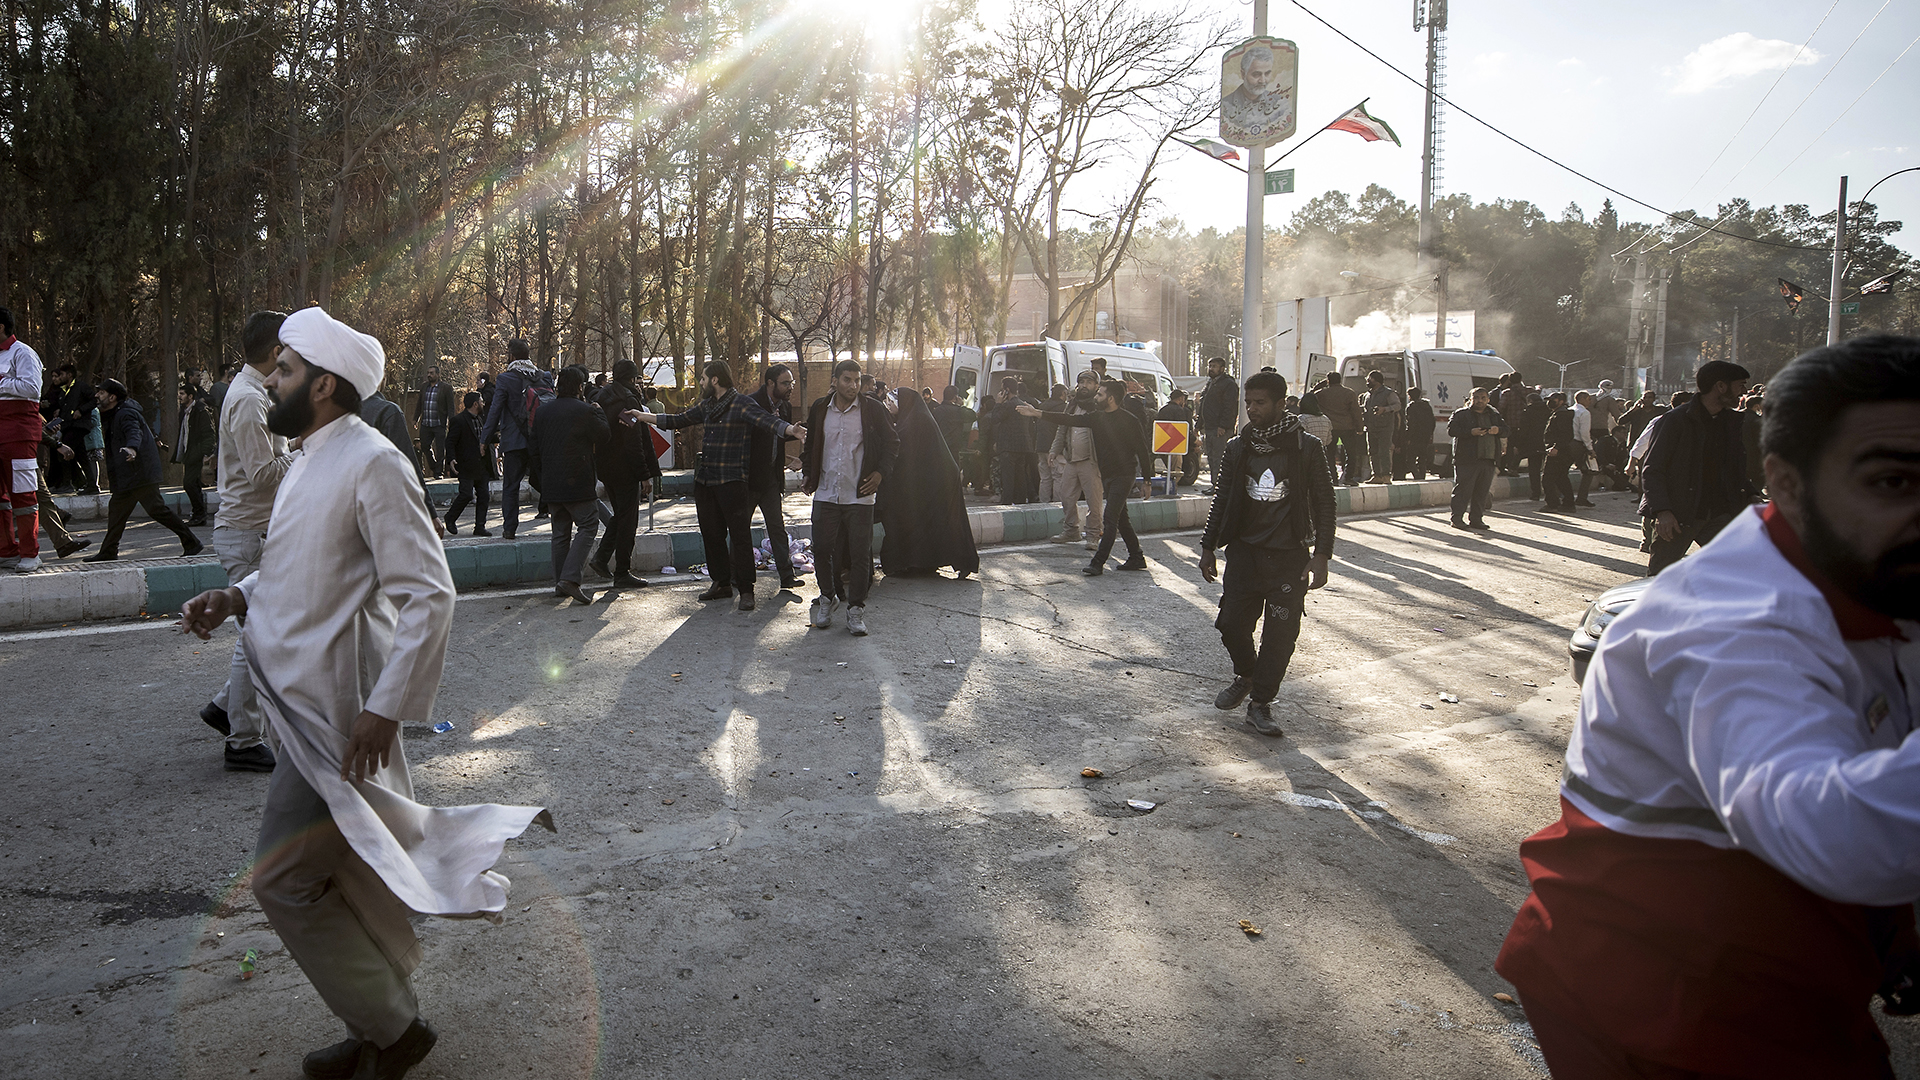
(1431, 15)
(1636, 304)
(1250, 330)
(1733, 348)
(1659, 363)
(1839, 266)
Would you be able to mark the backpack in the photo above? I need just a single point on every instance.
(531, 399)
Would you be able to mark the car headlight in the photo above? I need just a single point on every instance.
(1598, 618)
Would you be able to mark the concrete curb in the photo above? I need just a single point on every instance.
(94, 507)
(72, 592)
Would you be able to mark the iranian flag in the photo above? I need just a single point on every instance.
(1365, 125)
(1212, 148)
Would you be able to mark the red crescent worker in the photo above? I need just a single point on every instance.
(20, 430)
(1733, 874)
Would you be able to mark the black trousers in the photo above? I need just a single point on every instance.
(471, 491)
(843, 551)
(433, 450)
(195, 483)
(1354, 444)
(768, 503)
(1420, 459)
(120, 508)
(1472, 487)
(514, 470)
(725, 513)
(1019, 477)
(1664, 553)
(1115, 489)
(616, 545)
(1269, 583)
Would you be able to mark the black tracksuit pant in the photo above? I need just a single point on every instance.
(725, 513)
(1262, 582)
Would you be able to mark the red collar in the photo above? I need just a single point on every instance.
(9, 343)
(1858, 622)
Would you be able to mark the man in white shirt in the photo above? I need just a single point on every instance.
(252, 462)
(849, 449)
(1732, 876)
(1582, 458)
(20, 430)
(347, 639)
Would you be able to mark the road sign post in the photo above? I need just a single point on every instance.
(1279, 182)
(1170, 439)
(1851, 307)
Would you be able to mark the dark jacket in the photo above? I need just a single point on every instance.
(439, 392)
(1118, 441)
(628, 456)
(1342, 406)
(1671, 478)
(202, 434)
(73, 411)
(127, 428)
(507, 415)
(1220, 403)
(1420, 421)
(767, 455)
(1530, 427)
(879, 443)
(1557, 431)
(955, 422)
(1460, 427)
(1012, 433)
(566, 434)
(1311, 481)
(470, 458)
(1175, 412)
(1637, 418)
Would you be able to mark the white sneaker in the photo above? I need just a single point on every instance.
(857, 621)
(27, 565)
(822, 614)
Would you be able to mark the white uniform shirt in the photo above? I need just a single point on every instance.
(1727, 707)
(20, 373)
(1583, 426)
(842, 446)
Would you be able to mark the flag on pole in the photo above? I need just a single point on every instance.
(1212, 148)
(1364, 124)
(1792, 294)
(1881, 284)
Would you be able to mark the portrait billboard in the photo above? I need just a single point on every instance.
(1258, 80)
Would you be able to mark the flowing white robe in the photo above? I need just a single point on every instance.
(351, 610)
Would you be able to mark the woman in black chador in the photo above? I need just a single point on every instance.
(921, 504)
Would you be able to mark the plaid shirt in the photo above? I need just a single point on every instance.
(430, 396)
(727, 442)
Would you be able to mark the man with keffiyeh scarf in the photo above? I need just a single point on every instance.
(1276, 499)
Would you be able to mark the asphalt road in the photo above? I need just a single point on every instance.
(794, 852)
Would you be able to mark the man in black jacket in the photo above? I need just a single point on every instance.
(1219, 414)
(1118, 443)
(849, 449)
(629, 466)
(193, 449)
(1275, 498)
(1476, 432)
(767, 467)
(1695, 478)
(133, 472)
(73, 407)
(1014, 443)
(566, 433)
(472, 464)
(1420, 422)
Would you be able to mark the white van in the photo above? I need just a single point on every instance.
(1448, 377)
(1044, 363)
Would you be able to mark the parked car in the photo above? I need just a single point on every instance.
(1600, 614)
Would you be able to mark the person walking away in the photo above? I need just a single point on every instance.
(850, 448)
(193, 450)
(1476, 432)
(1530, 437)
(1738, 809)
(1219, 415)
(21, 427)
(1382, 412)
(1561, 449)
(1582, 452)
(133, 473)
(1511, 402)
(956, 427)
(347, 639)
(381, 414)
(432, 413)
(1420, 424)
(1315, 423)
(472, 465)
(1695, 476)
(1276, 520)
(721, 498)
(567, 434)
(767, 468)
(253, 462)
(1341, 407)
(1178, 411)
(921, 507)
(1606, 408)
(73, 421)
(1119, 445)
(629, 466)
(516, 397)
(1079, 466)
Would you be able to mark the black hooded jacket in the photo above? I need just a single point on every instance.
(1312, 486)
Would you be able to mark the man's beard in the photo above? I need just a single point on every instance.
(292, 415)
(1889, 585)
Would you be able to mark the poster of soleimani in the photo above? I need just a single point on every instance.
(1258, 78)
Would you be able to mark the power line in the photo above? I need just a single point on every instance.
(1542, 154)
(1845, 111)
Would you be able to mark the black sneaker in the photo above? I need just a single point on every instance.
(1235, 693)
(746, 599)
(406, 1052)
(789, 584)
(717, 592)
(216, 718)
(188, 552)
(252, 759)
(1133, 564)
(1093, 570)
(1458, 524)
(1479, 525)
(599, 567)
(624, 580)
(337, 1062)
(1260, 715)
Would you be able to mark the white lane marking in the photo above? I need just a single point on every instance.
(1294, 798)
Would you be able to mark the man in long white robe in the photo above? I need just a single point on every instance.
(347, 625)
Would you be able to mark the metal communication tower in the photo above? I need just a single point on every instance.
(1431, 16)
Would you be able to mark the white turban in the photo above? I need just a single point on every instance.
(324, 341)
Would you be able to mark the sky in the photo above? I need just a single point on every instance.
(1651, 98)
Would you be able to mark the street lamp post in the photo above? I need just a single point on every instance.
(1563, 370)
(1840, 251)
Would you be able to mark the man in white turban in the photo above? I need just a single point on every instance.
(347, 622)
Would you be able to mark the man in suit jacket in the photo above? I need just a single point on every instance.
(472, 464)
(566, 433)
(849, 450)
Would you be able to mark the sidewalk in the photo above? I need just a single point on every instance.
(150, 578)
